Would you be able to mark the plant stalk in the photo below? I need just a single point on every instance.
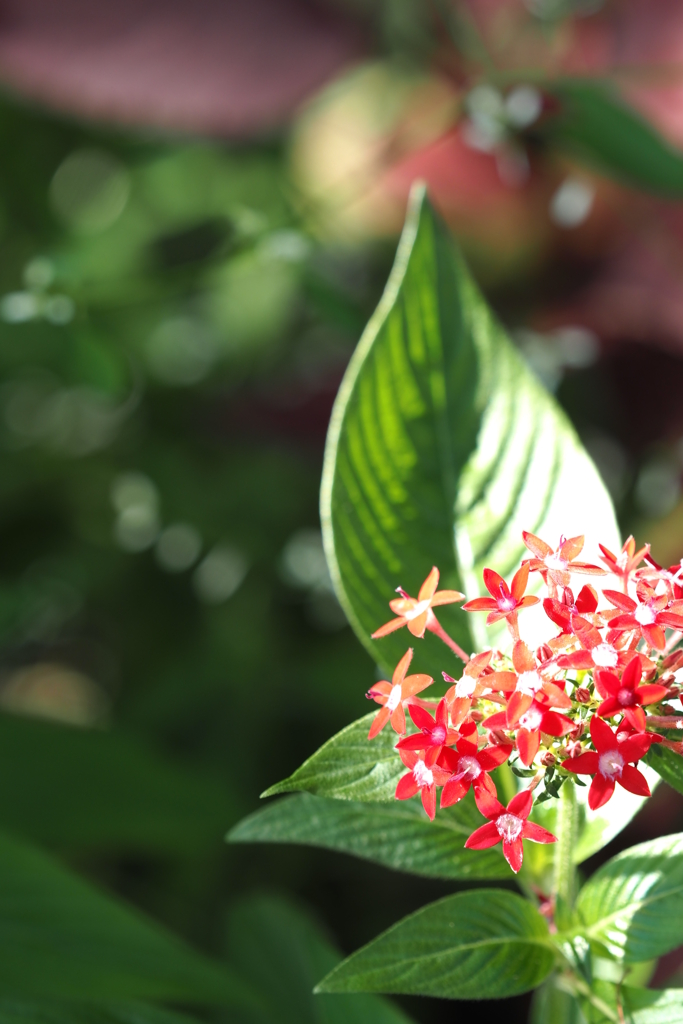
(564, 874)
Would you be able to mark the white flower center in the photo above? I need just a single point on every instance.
(529, 683)
(438, 734)
(610, 764)
(555, 561)
(423, 775)
(509, 827)
(394, 698)
(622, 560)
(465, 686)
(468, 768)
(531, 720)
(506, 604)
(419, 608)
(626, 697)
(645, 615)
(605, 656)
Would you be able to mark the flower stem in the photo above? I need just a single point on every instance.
(564, 870)
(437, 629)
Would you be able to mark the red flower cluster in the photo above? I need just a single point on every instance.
(544, 712)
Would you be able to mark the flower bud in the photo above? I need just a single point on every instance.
(498, 736)
(477, 716)
(582, 695)
(548, 759)
(571, 749)
(544, 653)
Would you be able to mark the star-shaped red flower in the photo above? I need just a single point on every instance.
(422, 778)
(611, 762)
(434, 733)
(505, 602)
(469, 767)
(624, 696)
(508, 825)
(648, 616)
(558, 564)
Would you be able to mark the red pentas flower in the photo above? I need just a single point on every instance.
(508, 825)
(557, 565)
(624, 696)
(469, 767)
(611, 762)
(422, 778)
(648, 616)
(562, 611)
(393, 695)
(434, 732)
(505, 602)
(416, 613)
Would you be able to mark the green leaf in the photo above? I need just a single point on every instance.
(349, 766)
(398, 835)
(280, 952)
(61, 938)
(483, 944)
(667, 764)
(597, 125)
(634, 903)
(19, 1012)
(552, 1005)
(127, 798)
(442, 448)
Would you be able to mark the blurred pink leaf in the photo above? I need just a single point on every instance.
(224, 67)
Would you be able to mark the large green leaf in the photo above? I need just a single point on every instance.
(61, 938)
(442, 448)
(596, 124)
(281, 953)
(398, 835)
(483, 944)
(349, 766)
(634, 903)
(83, 789)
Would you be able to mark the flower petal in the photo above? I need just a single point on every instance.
(537, 546)
(634, 781)
(484, 837)
(651, 693)
(602, 736)
(406, 787)
(519, 582)
(527, 745)
(521, 804)
(492, 757)
(600, 792)
(453, 791)
(428, 795)
(429, 586)
(378, 722)
(536, 833)
(495, 584)
(398, 720)
(446, 597)
(514, 854)
(387, 628)
(402, 667)
(584, 764)
(480, 604)
(418, 625)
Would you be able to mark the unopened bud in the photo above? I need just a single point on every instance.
(571, 749)
(582, 695)
(544, 653)
(498, 736)
(477, 716)
(579, 730)
(667, 710)
(650, 674)
(548, 759)
(667, 679)
(673, 660)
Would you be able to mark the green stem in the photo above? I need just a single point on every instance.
(565, 872)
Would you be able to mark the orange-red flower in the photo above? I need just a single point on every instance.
(475, 682)
(416, 613)
(434, 733)
(530, 723)
(393, 695)
(626, 562)
(558, 564)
